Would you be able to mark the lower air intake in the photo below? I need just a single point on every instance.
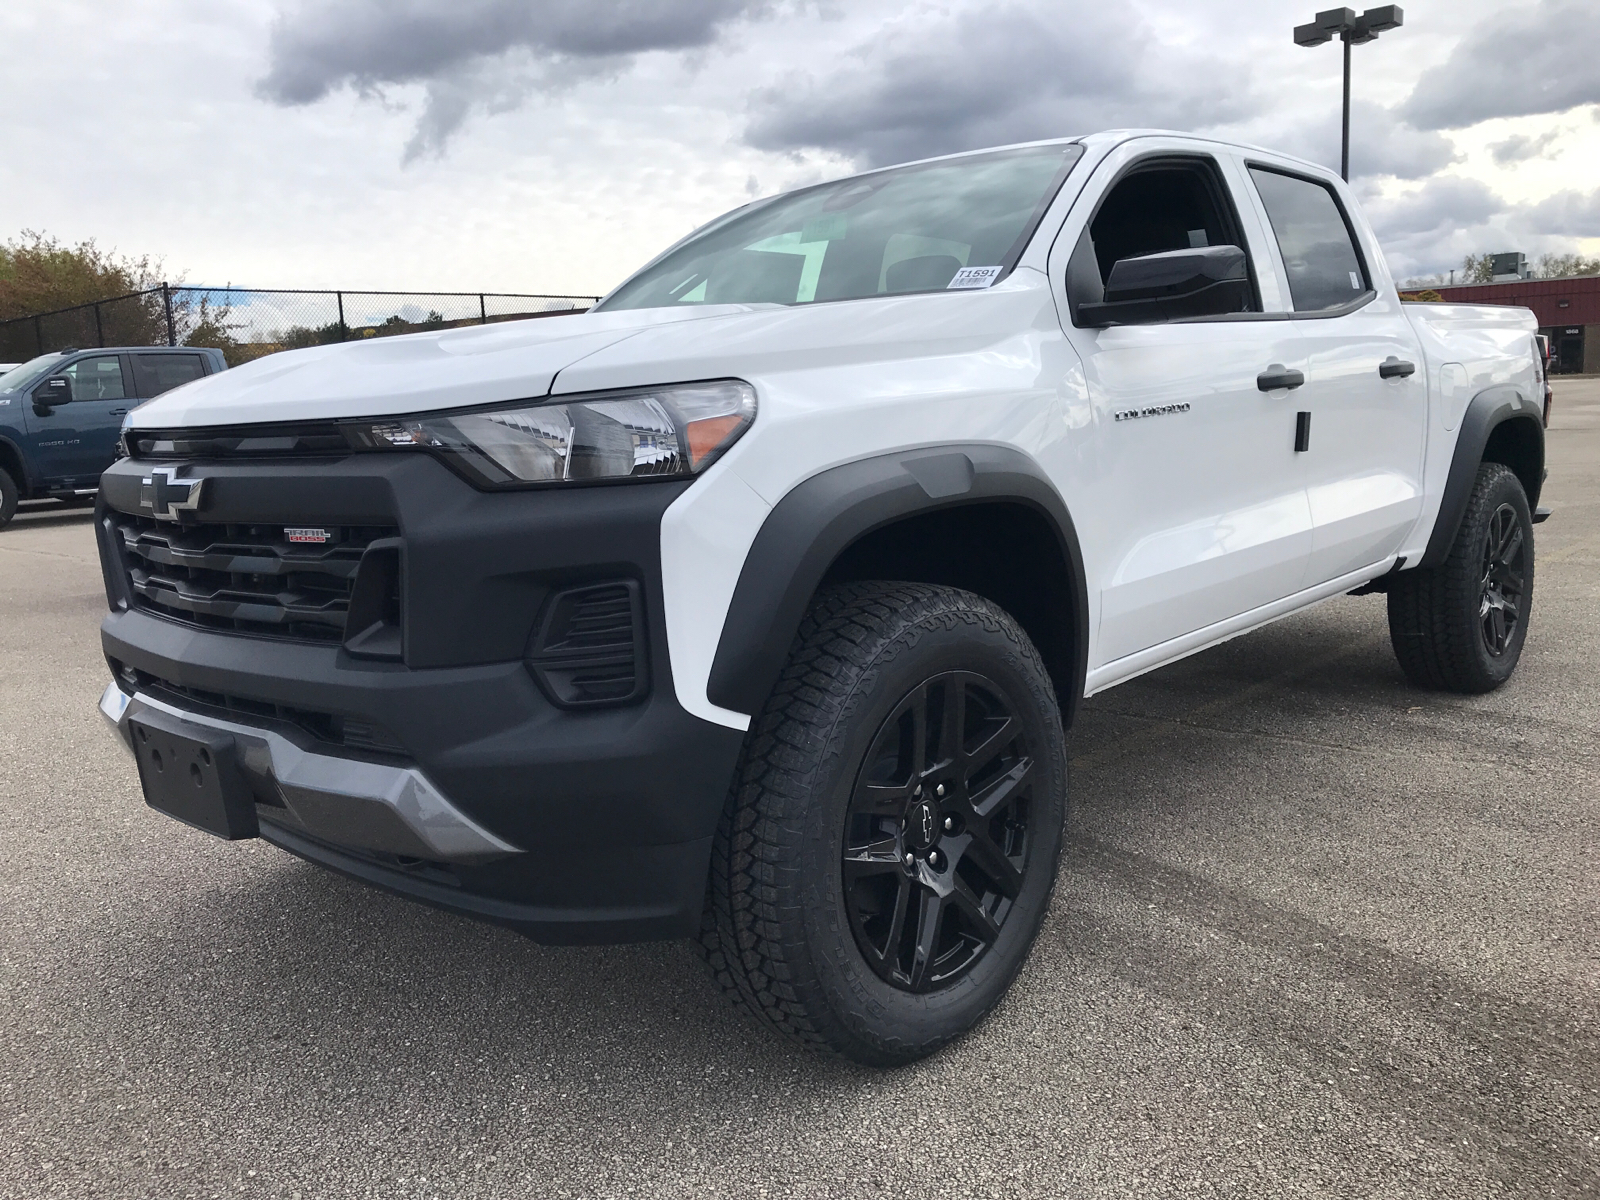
(589, 648)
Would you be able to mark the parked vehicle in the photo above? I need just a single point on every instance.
(752, 605)
(4, 367)
(60, 415)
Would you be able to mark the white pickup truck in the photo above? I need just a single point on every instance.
(753, 605)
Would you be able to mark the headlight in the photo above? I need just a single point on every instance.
(649, 433)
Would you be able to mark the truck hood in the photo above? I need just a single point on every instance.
(452, 368)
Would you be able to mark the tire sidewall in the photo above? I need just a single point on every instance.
(889, 1022)
(1502, 487)
(9, 495)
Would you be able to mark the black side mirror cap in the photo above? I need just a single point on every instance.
(1198, 282)
(50, 393)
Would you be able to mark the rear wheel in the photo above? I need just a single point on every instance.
(8, 497)
(1460, 626)
(890, 844)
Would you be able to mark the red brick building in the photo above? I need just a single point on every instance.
(1568, 312)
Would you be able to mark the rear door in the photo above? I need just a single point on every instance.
(1365, 400)
(75, 441)
(1190, 507)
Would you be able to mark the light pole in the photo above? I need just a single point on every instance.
(1352, 31)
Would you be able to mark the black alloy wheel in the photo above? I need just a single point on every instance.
(1505, 554)
(1460, 626)
(890, 842)
(936, 838)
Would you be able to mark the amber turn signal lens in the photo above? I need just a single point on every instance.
(708, 436)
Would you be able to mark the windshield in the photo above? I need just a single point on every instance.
(18, 378)
(956, 223)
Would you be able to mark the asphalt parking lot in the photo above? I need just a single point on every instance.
(1316, 933)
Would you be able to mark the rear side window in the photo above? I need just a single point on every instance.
(1319, 253)
(157, 373)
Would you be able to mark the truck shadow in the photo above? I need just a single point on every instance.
(49, 516)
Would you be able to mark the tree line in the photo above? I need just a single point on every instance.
(41, 274)
(1479, 268)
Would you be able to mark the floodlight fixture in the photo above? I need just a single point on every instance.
(1381, 20)
(1342, 23)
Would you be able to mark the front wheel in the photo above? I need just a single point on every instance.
(890, 844)
(8, 497)
(1460, 626)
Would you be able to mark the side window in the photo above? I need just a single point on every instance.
(1167, 204)
(98, 378)
(157, 373)
(1319, 253)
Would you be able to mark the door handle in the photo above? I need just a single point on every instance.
(1277, 376)
(117, 412)
(1395, 368)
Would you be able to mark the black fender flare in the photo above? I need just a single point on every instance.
(1488, 410)
(820, 518)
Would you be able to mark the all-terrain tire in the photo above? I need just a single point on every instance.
(1442, 619)
(8, 497)
(780, 933)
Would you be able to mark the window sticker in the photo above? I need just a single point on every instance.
(1355, 281)
(974, 277)
(828, 227)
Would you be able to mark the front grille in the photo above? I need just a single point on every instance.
(244, 578)
(307, 439)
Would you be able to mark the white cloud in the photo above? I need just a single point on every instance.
(1520, 147)
(922, 85)
(554, 155)
(475, 53)
(1527, 59)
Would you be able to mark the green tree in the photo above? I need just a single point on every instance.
(1563, 266)
(1477, 268)
(40, 274)
(298, 337)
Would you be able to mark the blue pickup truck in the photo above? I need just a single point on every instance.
(60, 414)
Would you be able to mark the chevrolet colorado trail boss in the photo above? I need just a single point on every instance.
(751, 605)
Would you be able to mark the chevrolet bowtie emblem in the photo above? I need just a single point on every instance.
(165, 495)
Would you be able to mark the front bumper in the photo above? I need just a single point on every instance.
(482, 795)
(382, 808)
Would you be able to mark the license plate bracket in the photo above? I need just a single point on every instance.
(191, 772)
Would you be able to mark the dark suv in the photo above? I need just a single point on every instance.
(60, 414)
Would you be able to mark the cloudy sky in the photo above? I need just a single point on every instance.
(553, 145)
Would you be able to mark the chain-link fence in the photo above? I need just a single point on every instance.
(246, 323)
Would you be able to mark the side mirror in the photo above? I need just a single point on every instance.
(1201, 282)
(50, 393)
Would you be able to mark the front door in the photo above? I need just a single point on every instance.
(74, 441)
(1190, 508)
(1366, 392)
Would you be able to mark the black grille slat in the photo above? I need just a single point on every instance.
(311, 439)
(244, 578)
(240, 561)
